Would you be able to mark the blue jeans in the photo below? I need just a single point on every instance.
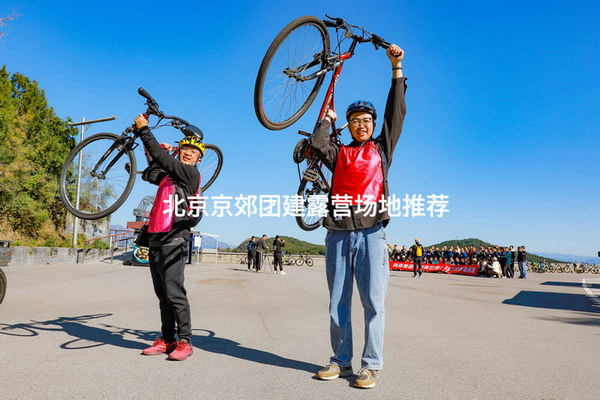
(523, 269)
(362, 255)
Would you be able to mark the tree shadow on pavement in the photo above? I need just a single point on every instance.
(554, 301)
(85, 336)
(215, 344)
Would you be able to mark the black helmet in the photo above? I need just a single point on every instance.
(191, 130)
(361, 105)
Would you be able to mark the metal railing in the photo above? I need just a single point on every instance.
(120, 235)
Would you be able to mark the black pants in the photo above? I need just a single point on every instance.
(167, 264)
(417, 267)
(251, 257)
(278, 260)
(258, 258)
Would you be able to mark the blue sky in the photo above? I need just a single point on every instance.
(503, 102)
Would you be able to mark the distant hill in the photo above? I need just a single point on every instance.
(292, 245)
(571, 258)
(477, 243)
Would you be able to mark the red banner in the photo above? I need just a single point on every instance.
(446, 268)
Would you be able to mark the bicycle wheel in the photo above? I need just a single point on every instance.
(311, 216)
(2, 285)
(309, 262)
(287, 81)
(210, 165)
(102, 174)
(299, 261)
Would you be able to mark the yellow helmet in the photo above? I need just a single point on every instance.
(193, 141)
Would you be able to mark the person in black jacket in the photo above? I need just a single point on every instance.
(355, 242)
(251, 253)
(169, 230)
(522, 261)
(278, 244)
(260, 249)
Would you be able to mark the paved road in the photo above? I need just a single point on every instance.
(75, 332)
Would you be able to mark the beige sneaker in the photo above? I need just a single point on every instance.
(367, 378)
(283, 273)
(332, 371)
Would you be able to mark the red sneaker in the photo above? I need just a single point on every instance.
(159, 347)
(182, 351)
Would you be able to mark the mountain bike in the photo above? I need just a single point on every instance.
(2, 285)
(102, 168)
(304, 259)
(289, 78)
(287, 259)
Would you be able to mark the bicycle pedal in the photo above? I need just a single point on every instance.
(310, 175)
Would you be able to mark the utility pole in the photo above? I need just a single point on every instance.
(83, 125)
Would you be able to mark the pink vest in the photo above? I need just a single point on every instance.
(358, 171)
(162, 214)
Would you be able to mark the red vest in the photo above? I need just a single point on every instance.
(162, 213)
(358, 172)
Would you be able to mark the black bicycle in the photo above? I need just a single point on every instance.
(100, 171)
(2, 285)
(289, 78)
(304, 259)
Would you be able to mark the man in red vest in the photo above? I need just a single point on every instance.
(355, 242)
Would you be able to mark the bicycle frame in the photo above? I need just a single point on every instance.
(328, 103)
(123, 144)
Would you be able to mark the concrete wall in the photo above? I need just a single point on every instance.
(23, 255)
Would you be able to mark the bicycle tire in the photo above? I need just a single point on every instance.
(122, 178)
(305, 190)
(210, 165)
(3, 285)
(299, 261)
(292, 35)
(309, 262)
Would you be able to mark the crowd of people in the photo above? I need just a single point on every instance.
(492, 260)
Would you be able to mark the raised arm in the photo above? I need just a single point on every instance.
(320, 141)
(395, 108)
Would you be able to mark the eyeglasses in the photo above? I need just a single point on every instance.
(363, 121)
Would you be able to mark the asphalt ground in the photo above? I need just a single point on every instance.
(76, 331)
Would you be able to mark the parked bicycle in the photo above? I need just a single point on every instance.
(2, 285)
(304, 259)
(289, 78)
(287, 259)
(100, 171)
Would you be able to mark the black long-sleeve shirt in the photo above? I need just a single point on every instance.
(186, 177)
(277, 245)
(395, 111)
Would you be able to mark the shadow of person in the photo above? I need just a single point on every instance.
(215, 344)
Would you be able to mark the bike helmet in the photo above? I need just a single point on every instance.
(191, 130)
(193, 141)
(361, 105)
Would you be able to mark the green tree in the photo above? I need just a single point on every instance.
(34, 143)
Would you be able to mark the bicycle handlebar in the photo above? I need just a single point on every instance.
(153, 109)
(339, 23)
